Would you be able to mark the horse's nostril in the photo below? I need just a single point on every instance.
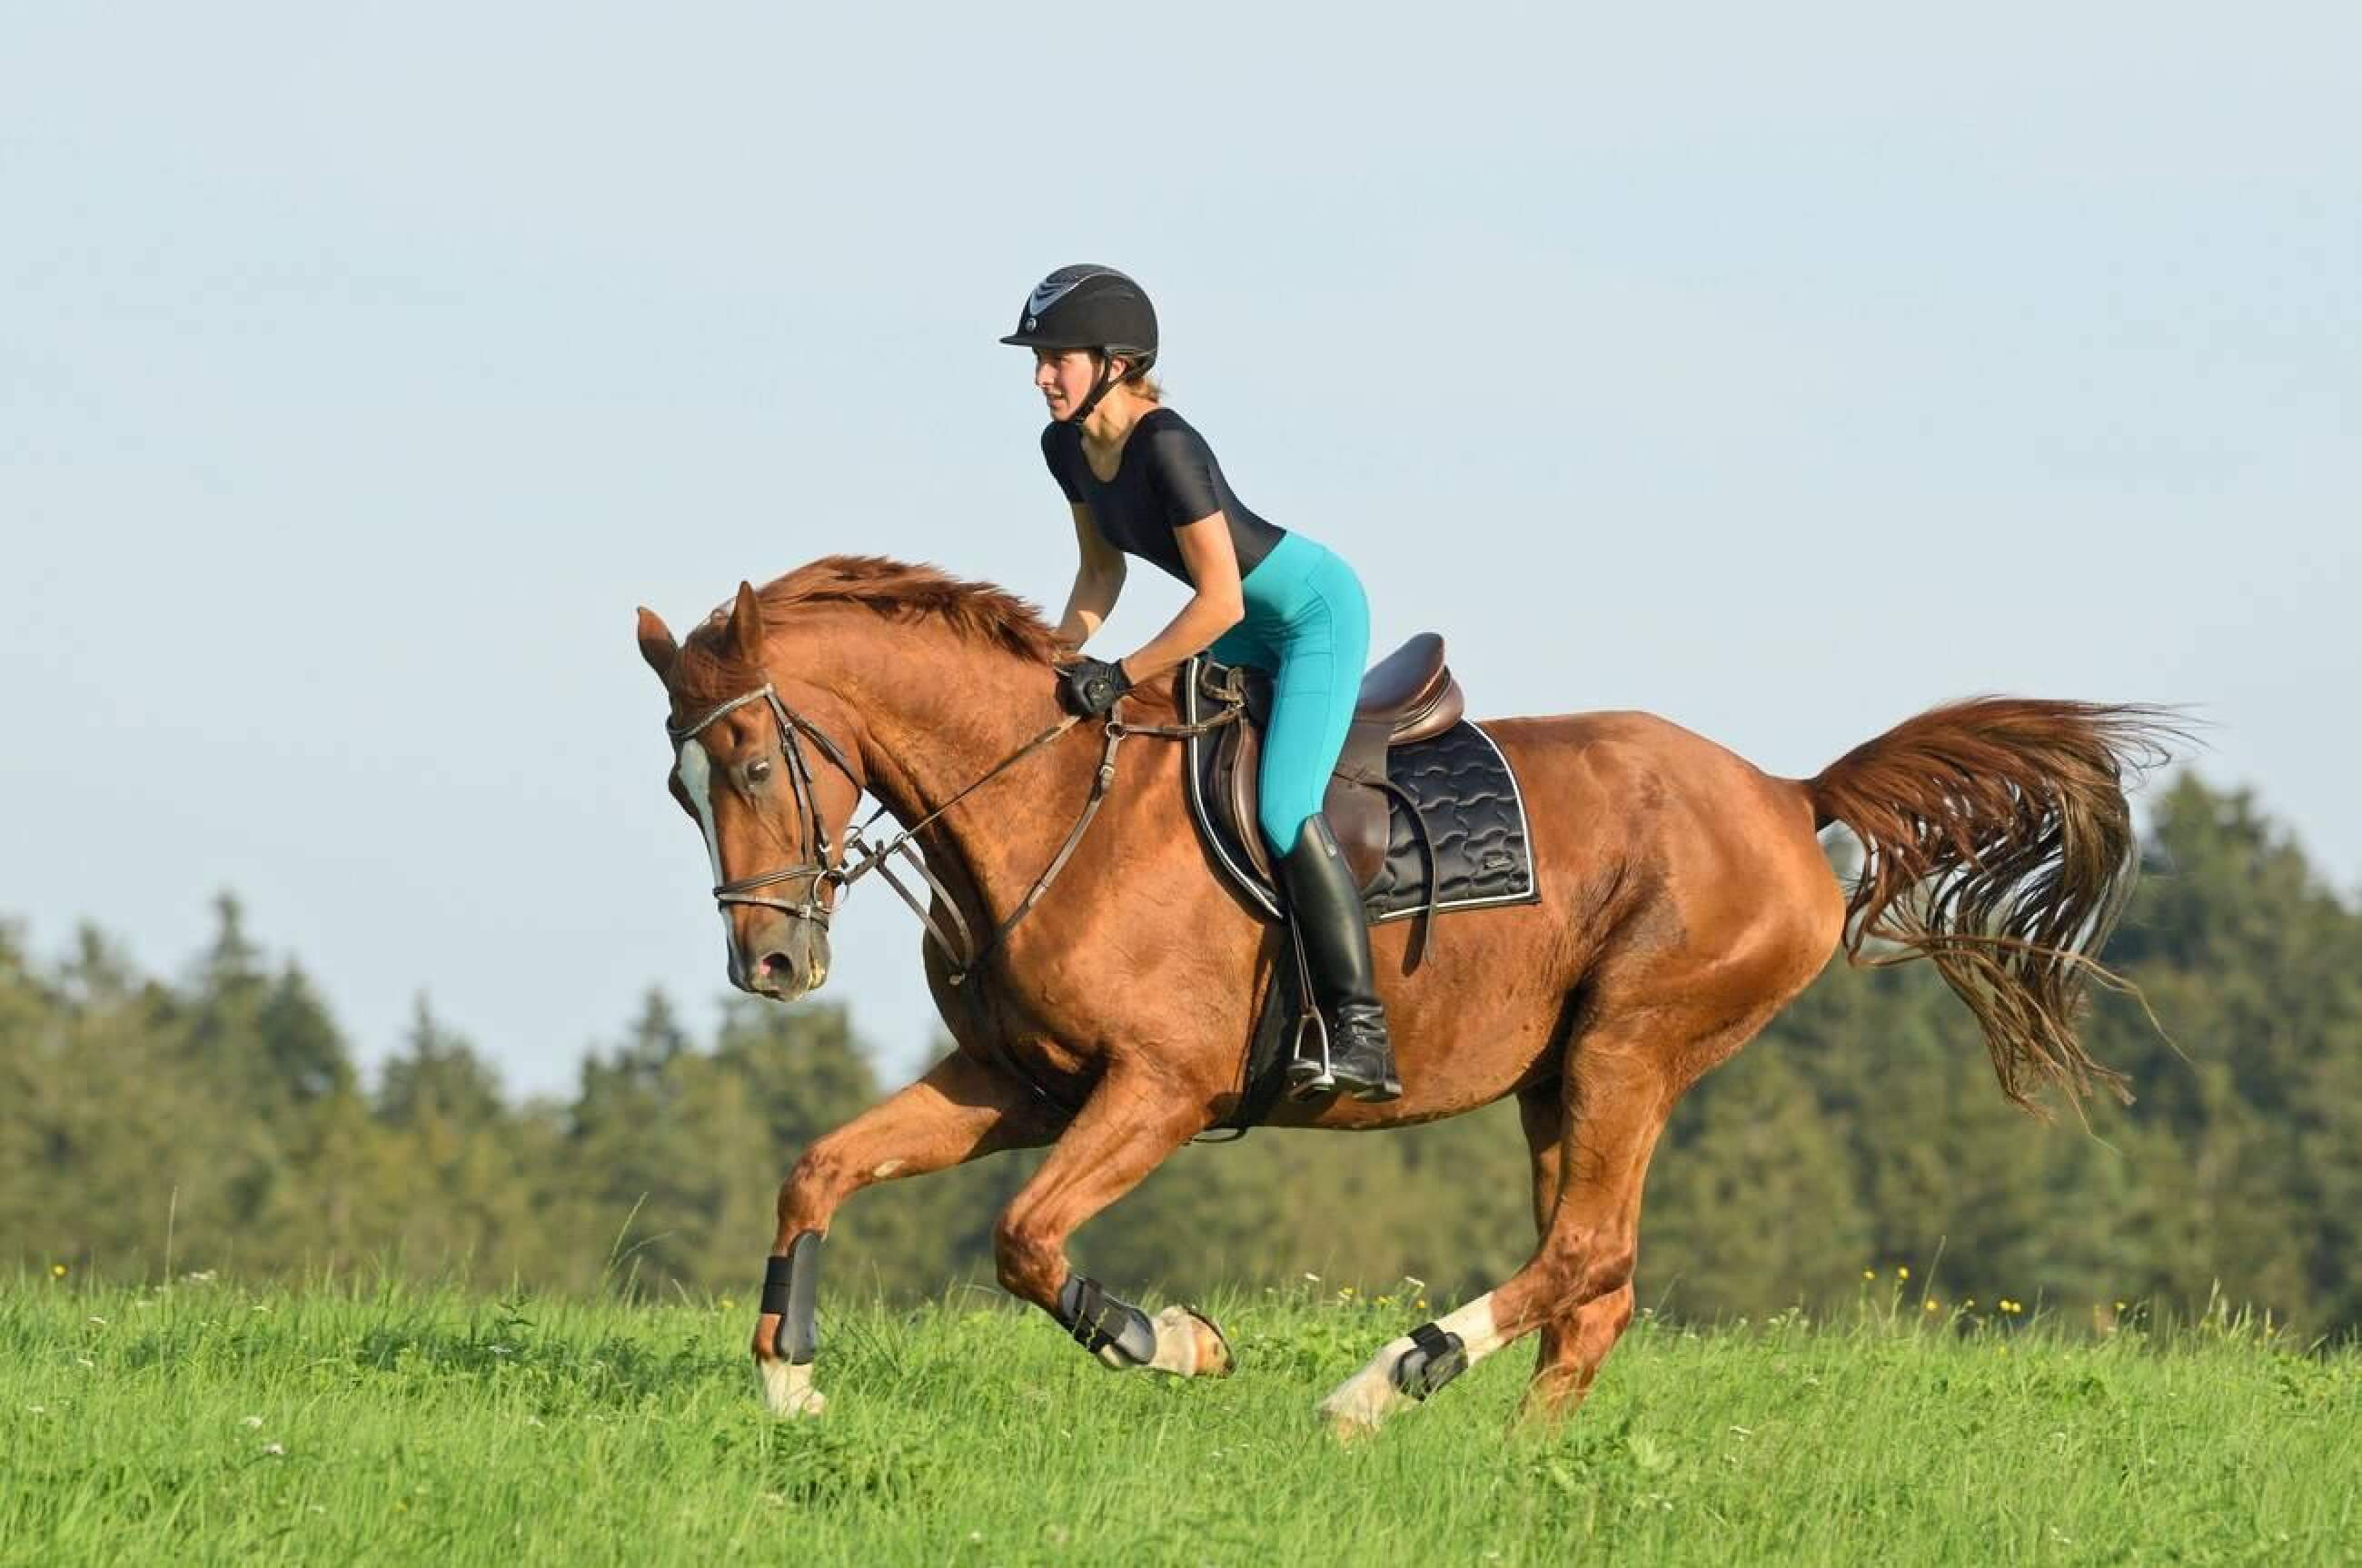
(776, 965)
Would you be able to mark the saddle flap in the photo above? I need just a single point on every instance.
(1445, 811)
(1354, 805)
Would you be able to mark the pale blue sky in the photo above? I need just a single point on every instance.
(1782, 370)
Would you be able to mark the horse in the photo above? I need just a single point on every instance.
(1685, 897)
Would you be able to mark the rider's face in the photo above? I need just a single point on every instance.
(1063, 377)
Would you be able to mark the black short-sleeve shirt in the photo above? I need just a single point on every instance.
(1165, 479)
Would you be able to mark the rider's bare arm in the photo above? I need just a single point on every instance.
(1219, 605)
(1098, 580)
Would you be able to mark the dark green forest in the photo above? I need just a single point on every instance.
(218, 1123)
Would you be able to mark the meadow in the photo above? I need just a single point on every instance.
(208, 1422)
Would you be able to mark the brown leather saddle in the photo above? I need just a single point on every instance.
(1408, 696)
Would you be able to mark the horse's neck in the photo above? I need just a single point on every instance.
(936, 719)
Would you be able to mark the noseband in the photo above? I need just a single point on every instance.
(961, 951)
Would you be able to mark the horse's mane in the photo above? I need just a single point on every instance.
(897, 590)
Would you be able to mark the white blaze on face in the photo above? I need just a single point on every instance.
(697, 782)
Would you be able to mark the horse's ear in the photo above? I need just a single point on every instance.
(657, 645)
(745, 637)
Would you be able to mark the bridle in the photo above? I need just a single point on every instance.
(819, 873)
(961, 951)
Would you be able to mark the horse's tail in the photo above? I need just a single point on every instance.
(1997, 842)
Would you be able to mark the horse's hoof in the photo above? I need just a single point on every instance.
(1215, 1358)
(1348, 1426)
(1357, 1408)
(1189, 1345)
(788, 1389)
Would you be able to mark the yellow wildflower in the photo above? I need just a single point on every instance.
(1903, 1272)
(1870, 1273)
(57, 1271)
(1928, 1304)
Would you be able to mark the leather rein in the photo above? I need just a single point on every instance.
(860, 856)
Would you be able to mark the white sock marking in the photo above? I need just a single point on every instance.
(1369, 1396)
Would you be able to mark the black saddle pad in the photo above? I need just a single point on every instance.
(1463, 793)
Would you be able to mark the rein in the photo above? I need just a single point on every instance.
(961, 951)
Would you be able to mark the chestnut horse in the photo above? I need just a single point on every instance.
(1685, 900)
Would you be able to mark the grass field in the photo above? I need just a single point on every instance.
(207, 1423)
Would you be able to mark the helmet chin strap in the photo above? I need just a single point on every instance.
(1102, 384)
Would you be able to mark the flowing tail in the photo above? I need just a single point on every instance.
(1998, 844)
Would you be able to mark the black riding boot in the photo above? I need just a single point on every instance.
(1327, 906)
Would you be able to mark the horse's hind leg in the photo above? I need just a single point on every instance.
(1621, 1093)
(1574, 1343)
(1647, 1041)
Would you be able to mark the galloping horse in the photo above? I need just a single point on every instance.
(1684, 900)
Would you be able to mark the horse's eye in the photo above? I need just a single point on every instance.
(758, 771)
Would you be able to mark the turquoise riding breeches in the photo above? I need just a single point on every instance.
(1308, 624)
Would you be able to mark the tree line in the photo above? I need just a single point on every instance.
(218, 1121)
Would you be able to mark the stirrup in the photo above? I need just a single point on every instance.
(1309, 1078)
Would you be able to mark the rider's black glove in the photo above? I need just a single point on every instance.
(1090, 686)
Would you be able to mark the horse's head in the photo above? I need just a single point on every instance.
(768, 788)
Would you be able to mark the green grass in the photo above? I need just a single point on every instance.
(210, 1424)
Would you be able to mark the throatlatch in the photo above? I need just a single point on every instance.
(1436, 1356)
(790, 1286)
(1101, 1323)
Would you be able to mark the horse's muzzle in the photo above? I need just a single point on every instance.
(779, 955)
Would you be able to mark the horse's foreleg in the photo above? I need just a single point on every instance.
(959, 1111)
(1125, 1130)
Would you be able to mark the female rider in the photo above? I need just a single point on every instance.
(1141, 482)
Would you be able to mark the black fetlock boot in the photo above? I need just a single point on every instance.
(1327, 908)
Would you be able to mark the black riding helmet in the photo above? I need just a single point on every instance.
(1089, 306)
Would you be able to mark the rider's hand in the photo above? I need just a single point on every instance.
(1090, 686)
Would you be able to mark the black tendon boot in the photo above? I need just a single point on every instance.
(1328, 911)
